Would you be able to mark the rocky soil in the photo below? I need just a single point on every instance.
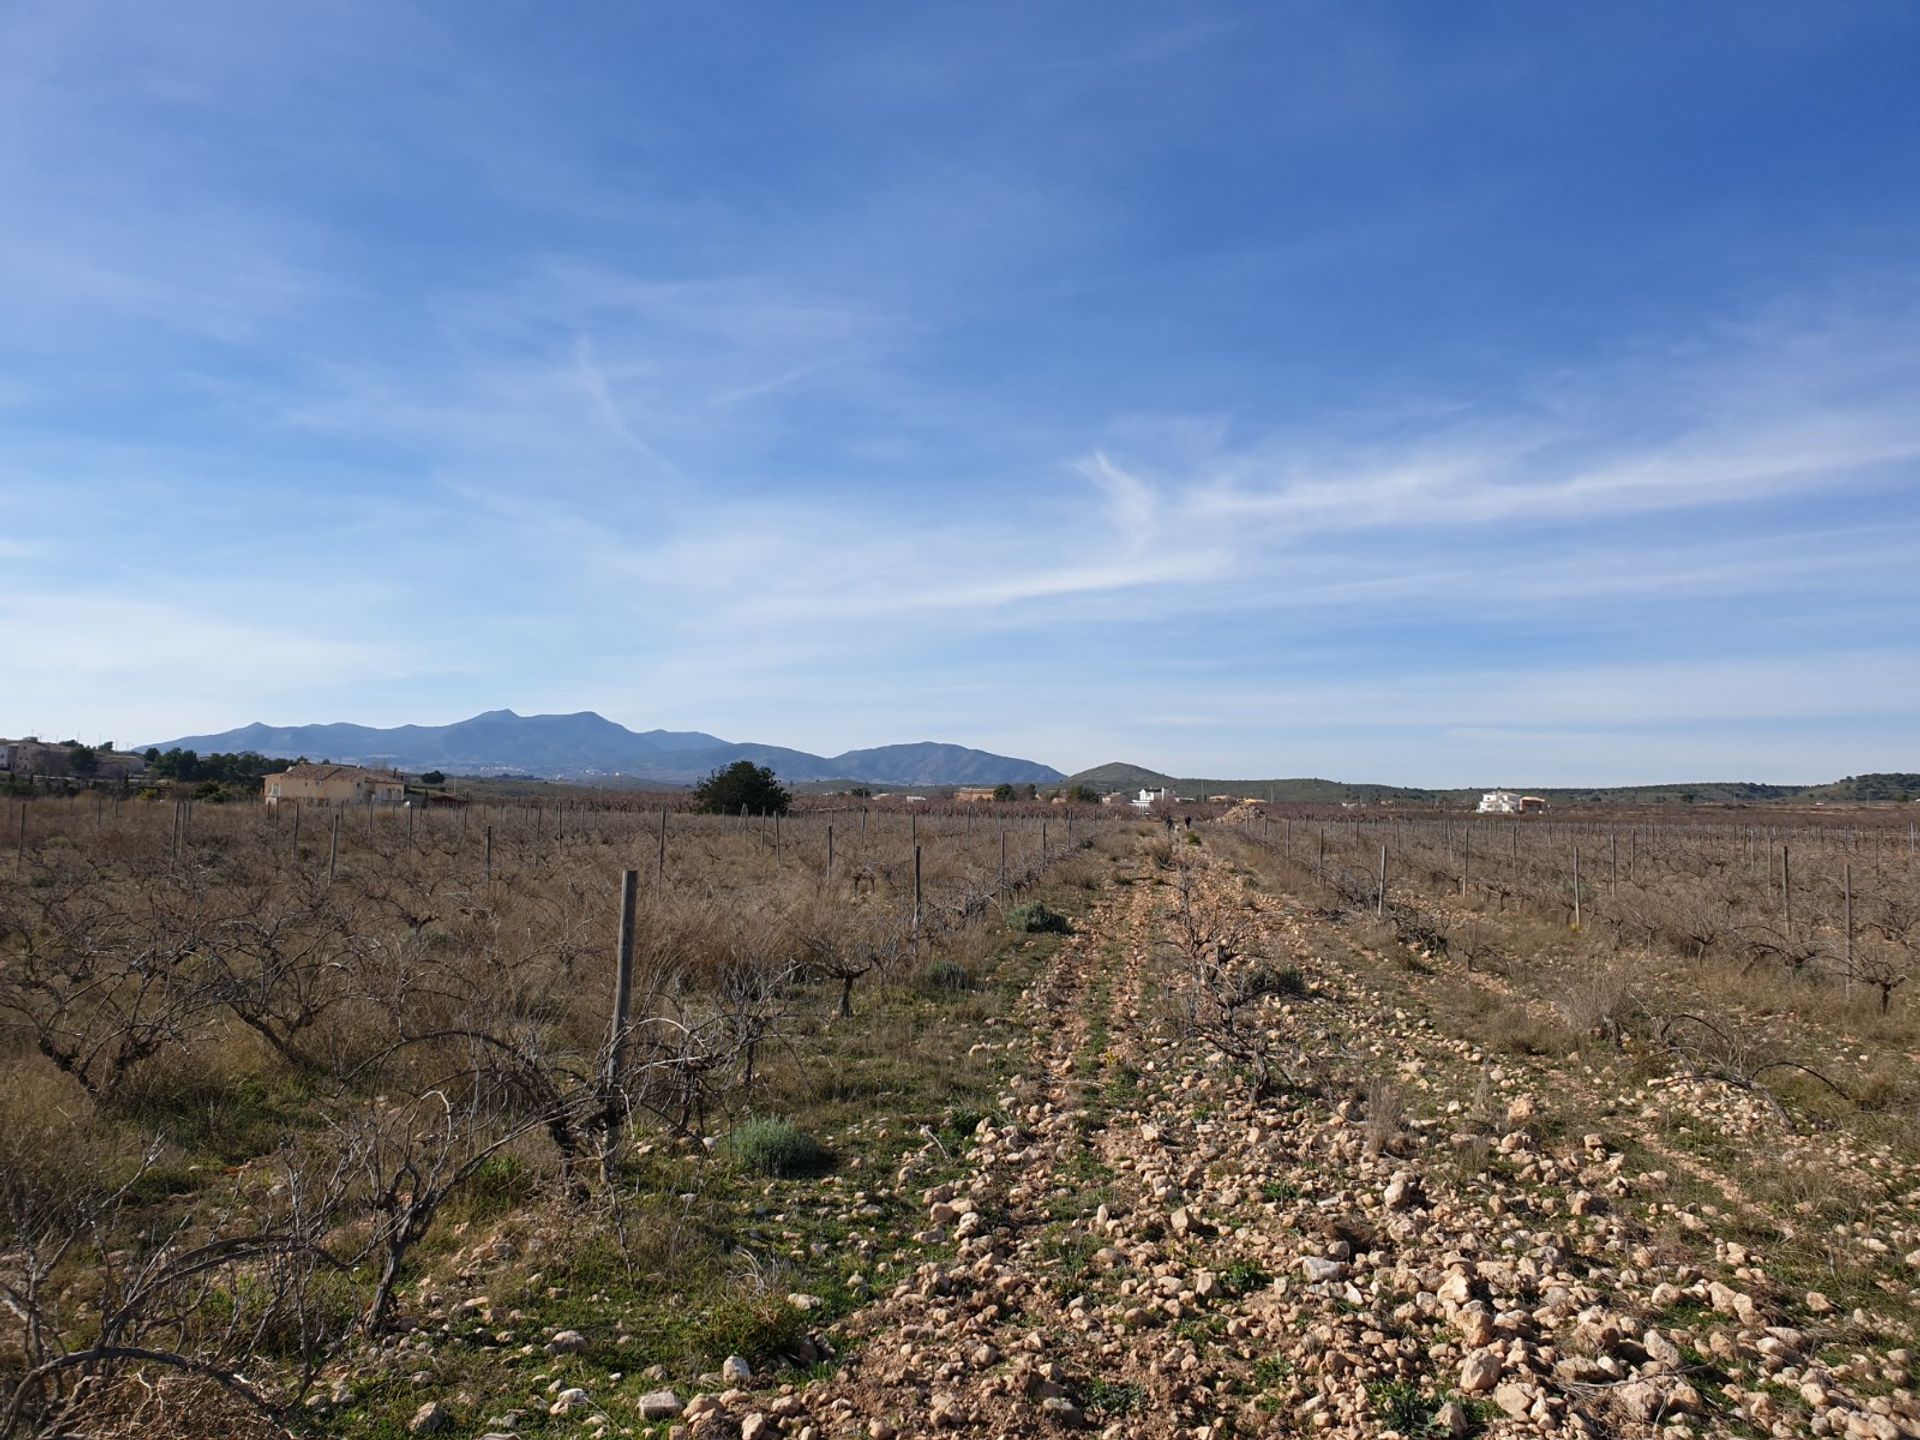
(1424, 1237)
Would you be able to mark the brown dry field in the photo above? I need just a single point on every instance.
(1136, 1131)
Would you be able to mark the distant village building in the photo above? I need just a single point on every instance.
(33, 756)
(1147, 799)
(974, 794)
(1506, 802)
(335, 785)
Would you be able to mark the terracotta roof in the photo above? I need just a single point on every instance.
(311, 771)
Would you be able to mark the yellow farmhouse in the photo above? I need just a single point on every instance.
(335, 785)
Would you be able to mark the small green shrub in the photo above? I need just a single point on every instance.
(754, 1326)
(963, 1120)
(1038, 919)
(1286, 980)
(773, 1145)
(949, 975)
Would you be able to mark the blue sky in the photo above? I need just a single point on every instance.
(1451, 394)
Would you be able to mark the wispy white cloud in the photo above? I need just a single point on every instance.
(595, 384)
(1704, 468)
(1132, 505)
(1549, 473)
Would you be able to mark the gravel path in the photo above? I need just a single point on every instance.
(1431, 1240)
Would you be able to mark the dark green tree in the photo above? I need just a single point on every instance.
(83, 758)
(176, 764)
(741, 783)
(433, 777)
(1003, 791)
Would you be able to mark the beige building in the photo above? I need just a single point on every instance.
(32, 756)
(335, 785)
(973, 794)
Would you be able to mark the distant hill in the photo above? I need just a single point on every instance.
(1854, 790)
(1118, 775)
(1858, 789)
(931, 763)
(588, 746)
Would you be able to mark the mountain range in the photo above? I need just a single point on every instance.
(588, 746)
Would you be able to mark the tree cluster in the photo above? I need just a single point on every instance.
(742, 785)
(244, 767)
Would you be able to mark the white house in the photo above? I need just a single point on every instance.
(1147, 799)
(1506, 802)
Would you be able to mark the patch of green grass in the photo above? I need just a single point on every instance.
(1077, 1203)
(949, 975)
(958, 1124)
(1481, 1411)
(1068, 1256)
(1242, 1277)
(1087, 1168)
(1113, 1397)
(1400, 1405)
(1270, 1372)
(1199, 1330)
(229, 1119)
(164, 1181)
(676, 1294)
(501, 1185)
(1685, 1314)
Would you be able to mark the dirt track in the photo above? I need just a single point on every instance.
(1432, 1241)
